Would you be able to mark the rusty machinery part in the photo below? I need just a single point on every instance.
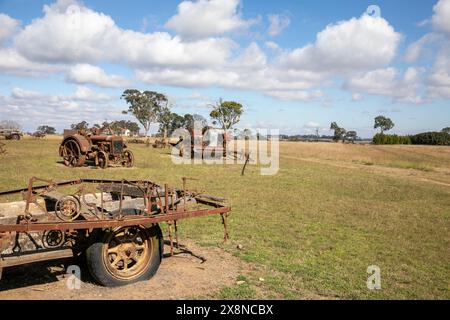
(128, 159)
(102, 159)
(125, 255)
(2, 148)
(67, 208)
(72, 154)
(53, 238)
(120, 249)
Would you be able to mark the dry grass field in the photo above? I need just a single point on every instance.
(312, 230)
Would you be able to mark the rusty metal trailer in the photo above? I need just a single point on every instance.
(113, 223)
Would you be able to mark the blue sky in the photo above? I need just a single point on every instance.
(294, 65)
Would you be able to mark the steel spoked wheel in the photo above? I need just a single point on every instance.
(72, 154)
(53, 238)
(128, 159)
(102, 159)
(67, 208)
(127, 253)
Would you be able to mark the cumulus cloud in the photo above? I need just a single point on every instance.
(36, 108)
(73, 39)
(8, 26)
(277, 22)
(304, 96)
(357, 44)
(441, 16)
(439, 78)
(11, 62)
(86, 94)
(205, 18)
(89, 74)
(77, 34)
(388, 82)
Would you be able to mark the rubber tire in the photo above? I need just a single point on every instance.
(15, 137)
(96, 267)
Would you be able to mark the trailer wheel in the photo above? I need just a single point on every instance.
(125, 255)
(128, 159)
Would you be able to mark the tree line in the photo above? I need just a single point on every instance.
(150, 107)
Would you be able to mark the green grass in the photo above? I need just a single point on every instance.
(311, 231)
(410, 165)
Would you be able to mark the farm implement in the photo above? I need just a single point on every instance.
(115, 224)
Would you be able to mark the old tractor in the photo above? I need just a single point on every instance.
(81, 145)
(11, 134)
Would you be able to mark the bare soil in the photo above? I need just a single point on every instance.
(181, 276)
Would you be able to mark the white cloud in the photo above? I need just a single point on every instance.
(439, 78)
(77, 34)
(89, 74)
(441, 16)
(311, 125)
(85, 94)
(357, 97)
(205, 18)
(272, 45)
(277, 22)
(34, 108)
(357, 44)
(388, 82)
(8, 26)
(11, 62)
(20, 93)
(303, 96)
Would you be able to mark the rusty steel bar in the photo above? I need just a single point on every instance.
(126, 221)
(73, 182)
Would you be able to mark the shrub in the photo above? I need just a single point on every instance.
(381, 138)
(432, 138)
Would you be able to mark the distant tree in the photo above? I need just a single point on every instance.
(165, 119)
(351, 136)
(171, 122)
(446, 130)
(191, 119)
(227, 113)
(10, 124)
(46, 129)
(144, 106)
(339, 133)
(83, 125)
(384, 123)
(133, 127)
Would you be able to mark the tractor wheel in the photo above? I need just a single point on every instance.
(72, 154)
(102, 159)
(125, 255)
(15, 137)
(128, 159)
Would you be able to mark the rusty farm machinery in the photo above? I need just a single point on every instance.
(2, 149)
(114, 224)
(80, 145)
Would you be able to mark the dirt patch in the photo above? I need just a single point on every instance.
(181, 276)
